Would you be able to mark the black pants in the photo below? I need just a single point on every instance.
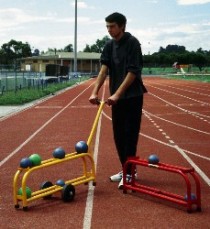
(126, 121)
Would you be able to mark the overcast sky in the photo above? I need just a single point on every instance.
(156, 23)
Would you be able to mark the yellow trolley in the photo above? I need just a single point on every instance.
(47, 188)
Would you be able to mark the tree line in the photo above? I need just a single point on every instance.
(15, 50)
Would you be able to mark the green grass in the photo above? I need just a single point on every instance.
(170, 70)
(171, 73)
(27, 95)
(201, 78)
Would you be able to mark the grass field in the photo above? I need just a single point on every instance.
(25, 95)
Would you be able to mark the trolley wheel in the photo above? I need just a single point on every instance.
(25, 208)
(124, 191)
(46, 184)
(198, 209)
(94, 183)
(68, 193)
(17, 206)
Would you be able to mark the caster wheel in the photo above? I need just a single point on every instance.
(46, 184)
(198, 209)
(124, 192)
(94, 183)
(25, 208)
(68, 193)
(17, 206)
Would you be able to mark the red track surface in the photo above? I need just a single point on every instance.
(175, 126)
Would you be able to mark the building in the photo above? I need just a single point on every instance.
(86, 62)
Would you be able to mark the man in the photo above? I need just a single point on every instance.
(122, 60)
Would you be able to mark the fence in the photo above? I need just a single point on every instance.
(13, 81)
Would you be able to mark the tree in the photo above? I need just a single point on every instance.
(69, 48)
(14, 50)
(36, 52)
(98, 46)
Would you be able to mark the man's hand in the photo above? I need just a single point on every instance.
(112, 100)
(94, 99)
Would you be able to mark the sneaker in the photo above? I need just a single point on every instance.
(128, 179)
(117, 177)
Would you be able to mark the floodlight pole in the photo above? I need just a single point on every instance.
(75, 38)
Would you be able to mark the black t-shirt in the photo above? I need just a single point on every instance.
(121, 57)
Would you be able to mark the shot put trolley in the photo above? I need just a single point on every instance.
(47, 188)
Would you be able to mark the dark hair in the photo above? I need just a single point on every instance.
(120, 19)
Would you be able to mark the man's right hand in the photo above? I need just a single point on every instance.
(94, 99)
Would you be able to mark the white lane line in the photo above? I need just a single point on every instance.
(184, 96)
(182, 152)
(197, 169)
(48, 107)
(177, 124)
(90, 196)
(190, 161)
(182, 109)
(39, 130)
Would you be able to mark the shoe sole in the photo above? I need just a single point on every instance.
(114, 180)
(120, 187)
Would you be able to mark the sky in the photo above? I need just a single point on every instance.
(47, 24)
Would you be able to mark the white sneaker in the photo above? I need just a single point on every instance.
(117, 177)
(128, 179)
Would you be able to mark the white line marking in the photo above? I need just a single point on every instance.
(48, 107)
(177, 124)
(182, 109)
(197, 169)
(89, 202)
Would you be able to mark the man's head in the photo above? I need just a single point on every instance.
(116, 24)
(118, 18)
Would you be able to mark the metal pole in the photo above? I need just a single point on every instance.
(75, 39)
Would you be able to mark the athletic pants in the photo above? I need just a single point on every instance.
(126, 121)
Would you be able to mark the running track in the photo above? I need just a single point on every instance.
(175, 126)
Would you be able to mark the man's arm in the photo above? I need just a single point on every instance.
(99, 82)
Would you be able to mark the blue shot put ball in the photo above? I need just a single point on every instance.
(81, 147)
(59, 153)
(60, 182)
(25, 163)
(153, 159)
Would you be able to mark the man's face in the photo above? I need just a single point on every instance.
(114, 30)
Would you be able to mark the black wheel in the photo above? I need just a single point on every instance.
(189, 211)
(17, 206)
(46, 184)
(199, 209)
(68, 193)
(124, 191)
(25, 208)
(94, 183)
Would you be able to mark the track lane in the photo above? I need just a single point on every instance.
(111, 209)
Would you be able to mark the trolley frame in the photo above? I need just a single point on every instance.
(186, 173)
(89, 175)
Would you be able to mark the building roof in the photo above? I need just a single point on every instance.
(66, 55)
